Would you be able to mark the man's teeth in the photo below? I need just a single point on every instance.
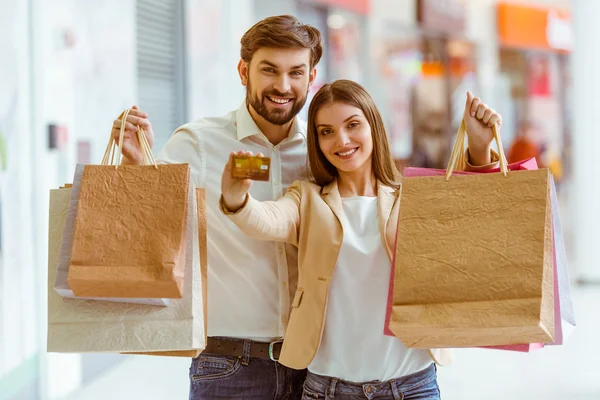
(347, 153)
(279, 101)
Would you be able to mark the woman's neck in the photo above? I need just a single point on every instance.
(357, 183)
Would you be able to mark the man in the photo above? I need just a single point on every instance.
(249, 282)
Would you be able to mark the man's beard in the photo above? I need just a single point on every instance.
(277, 116)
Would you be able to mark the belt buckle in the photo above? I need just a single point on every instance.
(271, 345)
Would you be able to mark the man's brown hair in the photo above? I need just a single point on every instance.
(282, 32)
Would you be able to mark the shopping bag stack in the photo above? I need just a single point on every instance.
(126, 262)
(480, 258)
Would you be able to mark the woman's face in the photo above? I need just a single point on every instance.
(344, 137)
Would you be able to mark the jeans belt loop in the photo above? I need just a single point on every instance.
(331, 389)
(272, 350)
(246, 352)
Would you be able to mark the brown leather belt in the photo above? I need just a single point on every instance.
(235, 348)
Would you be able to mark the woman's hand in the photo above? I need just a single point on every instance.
(235, 191)
(479, 119)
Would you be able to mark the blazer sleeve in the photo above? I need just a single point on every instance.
(465, 163)
(269, 220)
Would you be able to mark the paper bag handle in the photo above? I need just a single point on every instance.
(457, 156)
(109, 153)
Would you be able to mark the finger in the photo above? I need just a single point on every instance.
(248, 153)
(469, 100)
(487, 115)
(143, 122)
(259, 155)
(138, 113)
(116, 133)
(481, 110)
(474, 105)
(127, 135)
(128, 125)
(494, 119)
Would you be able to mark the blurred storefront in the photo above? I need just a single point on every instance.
(447, 72)
(534, 55)
(425, 70)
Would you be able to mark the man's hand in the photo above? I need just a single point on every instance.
(132, 152)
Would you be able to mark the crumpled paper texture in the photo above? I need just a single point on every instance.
(129, 235)
(474, 261)
(81, 326)
(61, 285)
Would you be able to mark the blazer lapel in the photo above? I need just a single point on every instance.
(331, 196)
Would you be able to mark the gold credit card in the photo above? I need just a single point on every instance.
(256, 168)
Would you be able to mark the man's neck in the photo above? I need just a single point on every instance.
(274, 133)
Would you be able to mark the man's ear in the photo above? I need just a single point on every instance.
(243, 70)
(312, 77)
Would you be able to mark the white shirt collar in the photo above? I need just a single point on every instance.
(247, 127)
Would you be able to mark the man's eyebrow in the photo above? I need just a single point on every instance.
(270, 64)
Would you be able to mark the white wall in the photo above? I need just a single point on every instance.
(18, 323)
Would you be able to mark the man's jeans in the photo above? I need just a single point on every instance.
(217, 377)
(421, 385)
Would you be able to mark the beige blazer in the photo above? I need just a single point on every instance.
(308, 207)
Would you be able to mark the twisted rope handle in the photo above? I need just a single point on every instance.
(114, 150)
(457, 156)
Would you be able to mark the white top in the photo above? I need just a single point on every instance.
(248, 280)
(353, 346)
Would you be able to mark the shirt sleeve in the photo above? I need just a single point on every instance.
(186, 147)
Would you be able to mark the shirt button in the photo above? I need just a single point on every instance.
(276, 182)
(284, 320)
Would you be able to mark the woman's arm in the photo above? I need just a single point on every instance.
(269, 220)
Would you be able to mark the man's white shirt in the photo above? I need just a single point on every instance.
(250, 281)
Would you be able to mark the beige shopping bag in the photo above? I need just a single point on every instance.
(129, 238)
(81, 326)
(474, 259)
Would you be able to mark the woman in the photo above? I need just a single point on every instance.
(351, 208)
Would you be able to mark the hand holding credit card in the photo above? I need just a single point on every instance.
(241, 170)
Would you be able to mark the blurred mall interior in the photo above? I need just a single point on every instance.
(69, 67)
